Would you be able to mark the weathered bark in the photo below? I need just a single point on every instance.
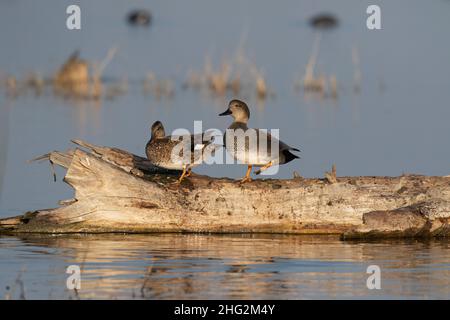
(116, 191)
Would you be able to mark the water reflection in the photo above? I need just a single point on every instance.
(228, 267)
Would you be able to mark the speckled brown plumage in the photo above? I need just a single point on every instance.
(160, 148)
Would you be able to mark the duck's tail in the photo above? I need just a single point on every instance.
(288, 156)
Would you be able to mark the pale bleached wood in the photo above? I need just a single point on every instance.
(116, 191)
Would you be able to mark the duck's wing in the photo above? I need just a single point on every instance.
(284, 146)
(263, 134)
(202, 140)
(285, 150)
(197, 142)
(160, 150)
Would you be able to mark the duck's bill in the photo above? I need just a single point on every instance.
(226, 113)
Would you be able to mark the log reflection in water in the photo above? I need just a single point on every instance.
(248, 267)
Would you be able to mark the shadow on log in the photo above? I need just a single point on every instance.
(118, 192)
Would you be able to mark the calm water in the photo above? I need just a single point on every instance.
(222, 267)
(397, 123)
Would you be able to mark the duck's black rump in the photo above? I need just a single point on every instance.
(288, 156)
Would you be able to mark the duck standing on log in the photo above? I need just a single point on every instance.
(161, 148)
(250, 154)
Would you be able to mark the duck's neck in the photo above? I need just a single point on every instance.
(238, 125)
(156, 136)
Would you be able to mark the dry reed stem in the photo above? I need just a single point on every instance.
(235, 75)
(331, 176)
(357, 70)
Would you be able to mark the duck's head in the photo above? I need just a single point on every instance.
(158, 130)
(238, 110)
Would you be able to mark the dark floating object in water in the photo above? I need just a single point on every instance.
(323, 21)
(139, 17)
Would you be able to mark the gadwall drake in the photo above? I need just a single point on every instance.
(254, 156)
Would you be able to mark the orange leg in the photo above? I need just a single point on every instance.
(182, 175)
(247, 175)
(265, 167)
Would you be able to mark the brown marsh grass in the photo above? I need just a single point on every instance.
(238, 75)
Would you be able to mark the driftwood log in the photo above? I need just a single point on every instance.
(116, 191)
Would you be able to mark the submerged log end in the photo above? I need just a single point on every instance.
(424, 220)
